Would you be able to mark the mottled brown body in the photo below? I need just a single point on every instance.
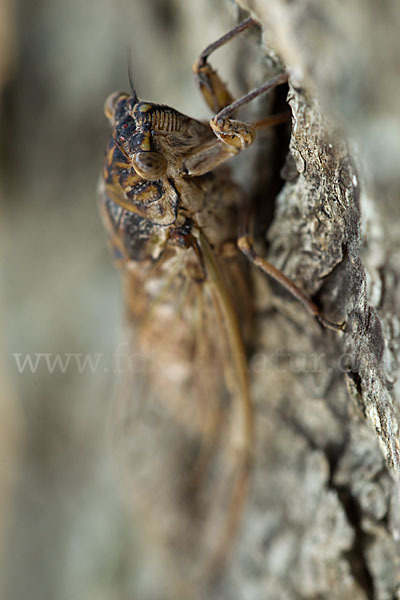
(188, 299)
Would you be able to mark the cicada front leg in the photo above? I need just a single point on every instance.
(234, 133)
(231, 136)
(236, 136)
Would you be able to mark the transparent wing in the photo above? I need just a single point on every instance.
(182, 419)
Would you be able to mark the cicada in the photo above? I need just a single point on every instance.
(173, 214)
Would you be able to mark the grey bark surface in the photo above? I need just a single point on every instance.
(323, 515)
(327, 503)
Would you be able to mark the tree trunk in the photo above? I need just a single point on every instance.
(324, 517)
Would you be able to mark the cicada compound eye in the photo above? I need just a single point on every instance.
(111, 104)
(149, 164)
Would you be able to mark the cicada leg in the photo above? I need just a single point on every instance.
(245, 244)
(219, 99)
(214, 90)
(238, 136)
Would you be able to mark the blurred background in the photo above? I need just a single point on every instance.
(63, 526)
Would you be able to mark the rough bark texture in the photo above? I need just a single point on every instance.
(323, 518)
(331, 512)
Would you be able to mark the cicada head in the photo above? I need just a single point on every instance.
(133, 134)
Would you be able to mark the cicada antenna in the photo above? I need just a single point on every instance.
(130, 72)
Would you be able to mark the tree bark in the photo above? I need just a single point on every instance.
(324, 517)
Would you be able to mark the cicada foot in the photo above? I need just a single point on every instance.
(235, 133)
